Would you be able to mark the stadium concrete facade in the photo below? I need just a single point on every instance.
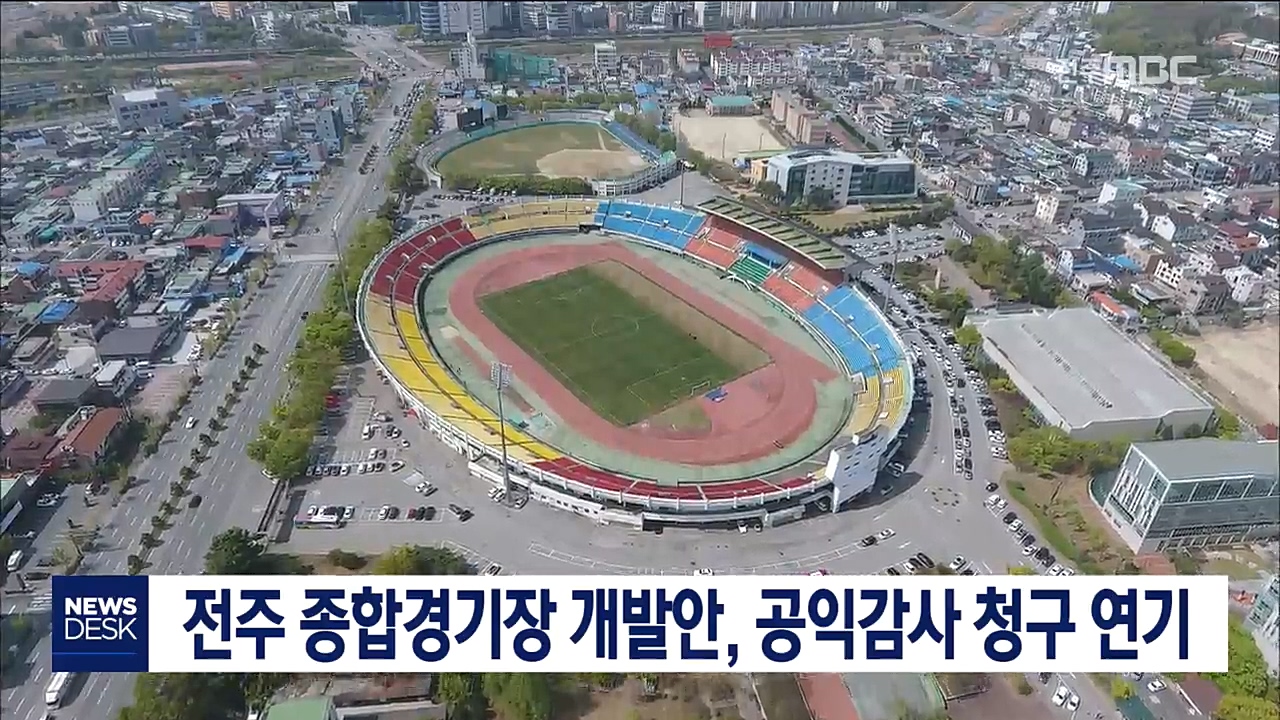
(658, 168)
(800, 274)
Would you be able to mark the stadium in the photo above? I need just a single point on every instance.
(666, 366)
(584, 143)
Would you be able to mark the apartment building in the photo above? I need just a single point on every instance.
(149, 107)
(1054, 208)
(118, 185)
(802, 124)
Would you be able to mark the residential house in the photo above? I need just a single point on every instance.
(27, 451)
(1203, 295)
(61, 395)
(1247, 287)
(90, 435)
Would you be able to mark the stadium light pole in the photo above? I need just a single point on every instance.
(500, 375)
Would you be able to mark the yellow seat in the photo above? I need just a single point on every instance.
(867, 409)
(443, 395)
(481, 231)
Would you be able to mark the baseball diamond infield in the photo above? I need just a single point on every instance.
(553, 149)
(602, 359)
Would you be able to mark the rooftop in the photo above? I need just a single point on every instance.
(812, 247)
(310, 708)
(1210, 458)
(1084, 368)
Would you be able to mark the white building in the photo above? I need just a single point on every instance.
(151, 107)
(116, 377)
(116, 187)
(1264, 621)
(1247, 287)
(1054, 208)
(606, 57)
(1121, 193)
(851, 177)
(466, 60)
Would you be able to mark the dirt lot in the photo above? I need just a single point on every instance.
(591, 164)
(1240, 366)
(724, 138)
(1001, 701)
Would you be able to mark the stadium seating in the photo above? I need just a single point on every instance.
(667, 226)
(808, 281)
(715, 246)
(751, 270)
(571, 469)
(739, 488)
(788, 293)
(850, 346)
(646, 489)
(632, 140)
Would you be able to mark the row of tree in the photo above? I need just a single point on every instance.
(581, 101)
(525, 185)
(422, 123)
(1178, 352)
(1005, 269)
(283, 443)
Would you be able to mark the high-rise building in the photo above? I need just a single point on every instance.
(606, 57)
(709, 14)
(457, 18)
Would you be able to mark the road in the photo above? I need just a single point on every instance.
(232, 486)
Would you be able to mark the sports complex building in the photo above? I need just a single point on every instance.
(666, 366)
(651, 167)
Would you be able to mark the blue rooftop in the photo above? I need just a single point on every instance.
(57, 312)
(30, 268)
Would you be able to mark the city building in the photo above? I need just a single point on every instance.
(123, 180)
(1121, 192)
(850, 177)
(228, 10)
(1195, 493)
(150, 107)
(801, 124)
(606, 57)
(1264, 622)
(22, 95)
(731, 105)
(1193, 106)
(1087, 377)
(1054, 208)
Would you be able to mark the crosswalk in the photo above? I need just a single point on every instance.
(35, 604)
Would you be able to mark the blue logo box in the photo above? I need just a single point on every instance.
(100, 623)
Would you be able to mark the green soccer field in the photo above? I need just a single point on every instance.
(617, 355)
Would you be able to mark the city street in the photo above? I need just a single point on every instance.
(235, 492)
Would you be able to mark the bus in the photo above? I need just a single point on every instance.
(57, 688)
(318, 521)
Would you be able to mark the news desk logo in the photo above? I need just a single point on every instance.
(100, 624)
(1150, 69)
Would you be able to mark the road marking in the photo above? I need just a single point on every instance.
(904, 545)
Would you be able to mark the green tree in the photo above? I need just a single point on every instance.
(968, 337)
(1021, 570)
(134, 564)
(1243, 707)
(234, 552)
(421, 560)
(463, 695)
(520, 696)
(769, 190)
(208, 696)
(1227, 425)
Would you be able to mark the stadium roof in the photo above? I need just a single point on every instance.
(810, 246)
(1083, 368)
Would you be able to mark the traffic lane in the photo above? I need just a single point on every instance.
(1093, 701)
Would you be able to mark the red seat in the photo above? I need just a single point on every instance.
(666, 492)
(794, 483)
(383, 279)
(736, 489)
(405, 286)
(440, 250)
(464, 237)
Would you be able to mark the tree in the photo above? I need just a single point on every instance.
(520, 696)
(1243, 707)
(1021, 570)
(187, 472)
(346, 560)
(1120, 690)
(157, 522)
(206, 439)
(421, 560)
(462, 694)
(769, 190)
(207, 696)
(1227, 425)
(134, 564)
(968, 337)
(820, 197)
(234, 552)
(259, 350)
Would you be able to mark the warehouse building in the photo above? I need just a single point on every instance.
(1087, 377)
(1196, 493)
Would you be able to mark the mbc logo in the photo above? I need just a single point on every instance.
(1149, 69)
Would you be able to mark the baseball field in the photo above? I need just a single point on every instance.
(561, 149)
(624, 346)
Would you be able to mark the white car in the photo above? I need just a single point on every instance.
(1060, 695)
(1015, 526)
(191, 422)
(704, 571)
(404, 443)
(1067, 572)
(1055, 570)
(396, 465)
(1156, 686)
(991, 501)
(311, 511)
(885, 534)
(47, 502)
(958, 563)
(1073, 703)
(348, 512)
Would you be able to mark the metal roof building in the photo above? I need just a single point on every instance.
(1085, 376)
(1196, 493)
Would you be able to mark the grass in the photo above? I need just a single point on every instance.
(517, 152)
(1067, 523)
(619, 356)
(842, 219)
(1230, 567)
